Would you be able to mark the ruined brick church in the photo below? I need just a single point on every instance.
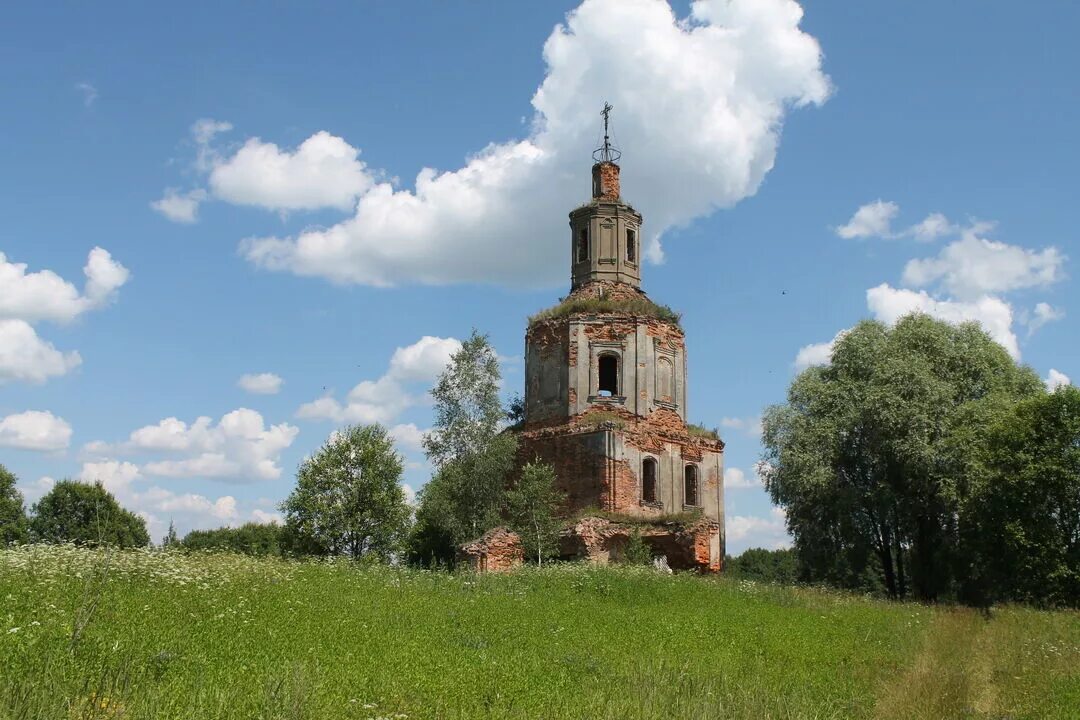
(606, 403)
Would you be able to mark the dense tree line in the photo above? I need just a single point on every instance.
(76, 512)
(923, 460)
(250, 539)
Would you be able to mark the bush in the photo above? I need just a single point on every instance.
(86, 514)
(250, 539)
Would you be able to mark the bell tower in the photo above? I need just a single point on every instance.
(605, 233)
(606, 393)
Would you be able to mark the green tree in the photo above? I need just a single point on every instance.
(250, 539)
(866, 457)
(86, 514)
(471, 456)
(348, 498)
(773, 566)
(1024, 518)
(468, 411)
(13, 522)
(170, 539)
(532, 507)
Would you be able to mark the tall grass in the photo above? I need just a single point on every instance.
(227, 636)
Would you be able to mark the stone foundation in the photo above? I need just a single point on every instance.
(497, 550)
(687, 546)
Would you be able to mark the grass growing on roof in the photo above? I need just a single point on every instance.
(637, 306)
(164, 635)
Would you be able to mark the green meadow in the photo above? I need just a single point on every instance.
(150, 634)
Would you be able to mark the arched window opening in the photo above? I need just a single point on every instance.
(648, 480)
(583, 245)
(691, 485)
(609, 375)
(631, 246)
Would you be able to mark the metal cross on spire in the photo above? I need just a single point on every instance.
(606, 153)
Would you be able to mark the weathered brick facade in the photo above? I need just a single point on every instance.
(606, 403)
(497, 550)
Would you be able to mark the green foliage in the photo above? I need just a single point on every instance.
(1024, 517)
(641, 307)
(471, 456)
(596, 418)
(229, 637)
(348, 498)
(468, 412)
(256, 539)
(170, 539)
(464, 499)
(874, 456)
(636, 552)
(760, 565)
(697, 430)
(86, 514)
(532, 508)
(14, 526)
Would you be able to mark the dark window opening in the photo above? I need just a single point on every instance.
(609, 375)
(648, 480)
(583, 245)
(631, 246)
(691, 485)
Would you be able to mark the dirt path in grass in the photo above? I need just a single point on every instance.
(950, 677)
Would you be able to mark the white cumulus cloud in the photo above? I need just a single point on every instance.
(974, 266)
(26, 357)
(889, 304)
(31, 297)
(239, 446)
(34, 430)
(324, 171)
(44, 295)
(746, 531)
(181, 207)
(115, 475)
(384, 399)
(261, 383)
(1056, 379)
(871, 220)
(699, 106)
(736, 479)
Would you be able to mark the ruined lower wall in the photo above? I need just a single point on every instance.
(687, 546)
(497, 550)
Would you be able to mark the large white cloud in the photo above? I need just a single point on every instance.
(44, 295)
(889, 304)
(974, 266)
(384, 399)
(239, 446)
(324, 171)
(26, 357)
(34, 430)
(699, 105)
(31, 297)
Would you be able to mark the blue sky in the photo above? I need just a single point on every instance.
(249, 174)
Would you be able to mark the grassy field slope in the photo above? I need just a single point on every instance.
(155, 635)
